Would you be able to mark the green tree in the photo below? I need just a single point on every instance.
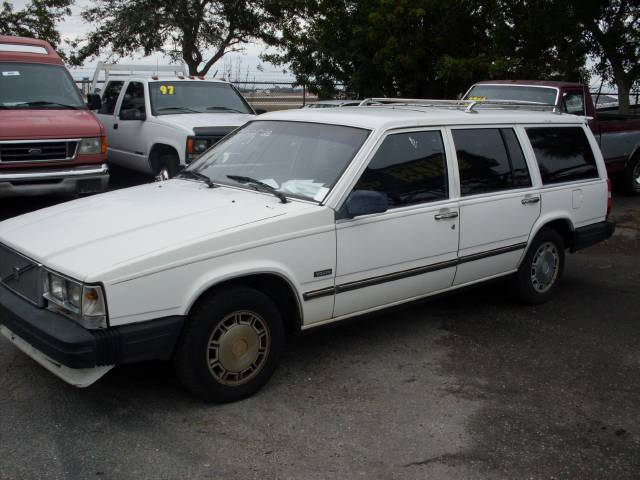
(612, 31)
(199, 32)
(37, 19)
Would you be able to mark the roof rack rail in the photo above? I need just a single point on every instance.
(113, 69)
(468, 106)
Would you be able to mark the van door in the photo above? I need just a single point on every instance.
(498, 203)
(128, 145)
(409, 250)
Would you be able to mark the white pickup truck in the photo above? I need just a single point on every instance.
(159, 121)
(298, 219)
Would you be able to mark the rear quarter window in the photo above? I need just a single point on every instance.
(563, 154)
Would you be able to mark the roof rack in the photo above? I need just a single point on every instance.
(112, 70)
(468, 106)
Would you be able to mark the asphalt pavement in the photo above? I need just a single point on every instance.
(469, 386)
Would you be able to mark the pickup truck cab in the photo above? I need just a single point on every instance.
(158, 123)
(50, 143)
(618, 135)
(298, 219)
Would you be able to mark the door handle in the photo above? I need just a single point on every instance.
(115, 126)
(444, 216)
(530, 200)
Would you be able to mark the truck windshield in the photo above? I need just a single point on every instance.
(519, 93)
(169, 98)
(37, 86)
(298, 159)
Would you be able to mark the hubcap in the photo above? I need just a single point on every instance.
(238, 348)
(545, 266)
(163, 174)
(636, 177)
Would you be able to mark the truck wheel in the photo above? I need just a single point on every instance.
(541, 269)
(230, 346)
(168, 166)
(632, 176)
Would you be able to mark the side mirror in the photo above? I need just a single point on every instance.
(260, 111)
(93, 101)
(366, 202)
(132, 114)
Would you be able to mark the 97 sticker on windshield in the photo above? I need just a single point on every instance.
(11, 74)
(167, 89)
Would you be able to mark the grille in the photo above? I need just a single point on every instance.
(21, 275)
(38, 151)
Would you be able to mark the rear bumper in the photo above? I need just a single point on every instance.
(69, 344)
(591, 234)
(81, 179)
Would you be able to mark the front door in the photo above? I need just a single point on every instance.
(498, 203)
(410, 250)
(128, 145)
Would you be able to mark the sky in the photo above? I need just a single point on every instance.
(248, 61)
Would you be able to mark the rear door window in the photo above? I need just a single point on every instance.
(490, 160)
(563, 154)
(110, 97)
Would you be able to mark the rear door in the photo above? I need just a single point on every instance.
(410, 250)
(498, 203)
(107, 110)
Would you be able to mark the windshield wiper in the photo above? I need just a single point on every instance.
(198, 176)
(215, 107)
(42, 103)
(260, 186)
(186, 109)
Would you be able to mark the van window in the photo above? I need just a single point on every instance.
(490, 160)
(110, 97)
(409, 167)
(134, 98)
(563, 154)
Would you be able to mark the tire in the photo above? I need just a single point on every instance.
(231, 345)
(168, 166)
(631, 178)
(541, 270)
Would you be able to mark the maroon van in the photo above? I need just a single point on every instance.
(50, 143)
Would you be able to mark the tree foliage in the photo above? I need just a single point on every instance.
(199, 32)
(426, 47)
(37, 19)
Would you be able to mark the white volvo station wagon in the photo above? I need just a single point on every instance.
(298, 219)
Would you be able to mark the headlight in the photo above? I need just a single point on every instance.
(196, 147)
(90, 146)
(83, 303)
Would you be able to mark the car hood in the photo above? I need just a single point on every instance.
(190, 120)
(87, 237)
(26, 124)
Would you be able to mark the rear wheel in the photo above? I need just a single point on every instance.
(632, 176)
(231, 345)
(541, 270)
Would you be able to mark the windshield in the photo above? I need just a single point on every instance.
(298, 159)
(519, 93)
(169, 98)
(37, 86)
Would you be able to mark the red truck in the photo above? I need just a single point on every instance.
(50, 143)
(617, 134)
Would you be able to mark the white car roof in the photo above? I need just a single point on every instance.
(387, 116)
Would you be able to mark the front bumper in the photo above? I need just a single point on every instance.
(67, 343)
(81, 179)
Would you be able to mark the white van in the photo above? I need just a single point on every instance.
(298, 219)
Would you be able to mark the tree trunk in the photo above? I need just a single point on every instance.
(623, 83)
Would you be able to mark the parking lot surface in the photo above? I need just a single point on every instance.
(473, 385)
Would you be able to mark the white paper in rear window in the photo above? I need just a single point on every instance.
(13, 47)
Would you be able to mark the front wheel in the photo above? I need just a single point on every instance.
(541, 269)
(168, 167)
(231, 345)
